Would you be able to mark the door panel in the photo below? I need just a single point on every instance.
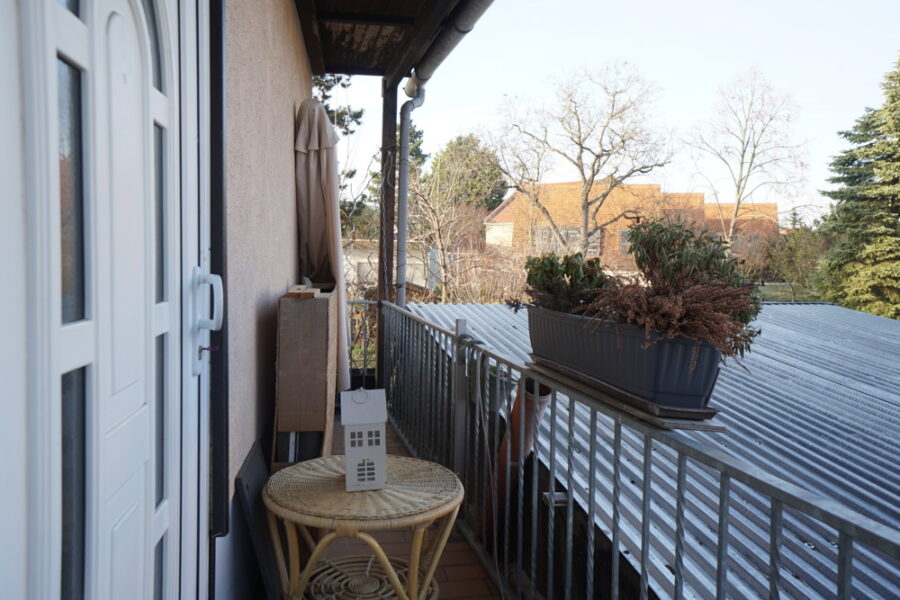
(126, 450)
(126, 381)
(138, 370)
(127, 540)
(102, 129)
(128, 91)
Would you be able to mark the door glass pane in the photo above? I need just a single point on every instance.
(159, 564)
(159, 201)
(160, 418)
(71, 192)
(150, 15)
(73, 483)
(72, 5)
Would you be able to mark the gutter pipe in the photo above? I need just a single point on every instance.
(403, 188)
(462, 23)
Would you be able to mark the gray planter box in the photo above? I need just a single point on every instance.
(616, 355)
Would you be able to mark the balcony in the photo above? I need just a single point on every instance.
(609, 506)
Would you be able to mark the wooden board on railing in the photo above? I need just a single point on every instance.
(600, 391)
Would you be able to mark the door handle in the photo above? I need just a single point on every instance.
(218, 307)
(218, 310)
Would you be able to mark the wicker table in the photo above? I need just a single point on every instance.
(311, 495)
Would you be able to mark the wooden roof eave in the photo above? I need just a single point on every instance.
(421, 32)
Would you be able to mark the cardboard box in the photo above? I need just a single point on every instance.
(306, 363)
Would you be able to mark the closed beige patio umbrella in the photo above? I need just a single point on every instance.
(318, 213)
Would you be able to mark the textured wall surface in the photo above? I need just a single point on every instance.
(267, 76)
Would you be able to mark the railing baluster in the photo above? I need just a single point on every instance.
(614, 555)
(441, 400)
(367, 335)
(775, 520)
(420, 393)
(432, 405)
(520, 482)
(592, 474)
(845, 566)
(477, 423)
(679, 525)
(506, 490)
(645, 516)
(722, 546)
(408, 352)
(570, 496)
(551, 554)
(413, 403)
(459, 398)
(397, 370)
(535, 468)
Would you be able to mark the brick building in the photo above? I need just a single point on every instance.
(518, 223)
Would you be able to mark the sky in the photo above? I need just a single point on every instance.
(828, 56)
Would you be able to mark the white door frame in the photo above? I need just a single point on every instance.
(43, 563)
(195, 94)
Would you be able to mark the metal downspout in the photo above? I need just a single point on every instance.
(403, 189)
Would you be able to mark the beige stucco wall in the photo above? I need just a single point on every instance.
(268, 75)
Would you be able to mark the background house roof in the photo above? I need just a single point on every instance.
(817, 405)
(563, 202)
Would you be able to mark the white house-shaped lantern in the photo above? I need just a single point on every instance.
(363, 415)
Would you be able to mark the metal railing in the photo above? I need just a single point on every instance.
(604, 505)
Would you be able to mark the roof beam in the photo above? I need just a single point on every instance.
(365, 19)
(417, 41)
(309, 23)
(346, 69)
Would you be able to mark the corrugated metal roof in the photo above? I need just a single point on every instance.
(818, 405)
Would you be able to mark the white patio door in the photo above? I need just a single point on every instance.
(138, 277)
(104, 133)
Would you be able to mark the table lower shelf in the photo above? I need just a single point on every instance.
(359, 577)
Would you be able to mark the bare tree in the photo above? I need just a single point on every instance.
(441, 222)
(746, 147)
(600, 127)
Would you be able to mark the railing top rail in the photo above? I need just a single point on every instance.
(868, 531)
(418, 319)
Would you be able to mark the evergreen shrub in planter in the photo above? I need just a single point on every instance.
(660, 335)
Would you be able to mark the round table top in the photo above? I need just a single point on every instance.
(314, 493)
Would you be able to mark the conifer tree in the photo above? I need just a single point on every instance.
(862, 269)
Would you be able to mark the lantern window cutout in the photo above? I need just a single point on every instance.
(363, 416)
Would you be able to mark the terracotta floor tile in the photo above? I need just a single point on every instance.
(464, 589)
(464, 572)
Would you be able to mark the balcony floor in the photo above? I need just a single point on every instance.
(459, 575)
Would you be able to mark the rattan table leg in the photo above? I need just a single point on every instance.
(434, 554)
(385, 564)
(279, 553)
(415, 552)
(293, 542)
(321, 547)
